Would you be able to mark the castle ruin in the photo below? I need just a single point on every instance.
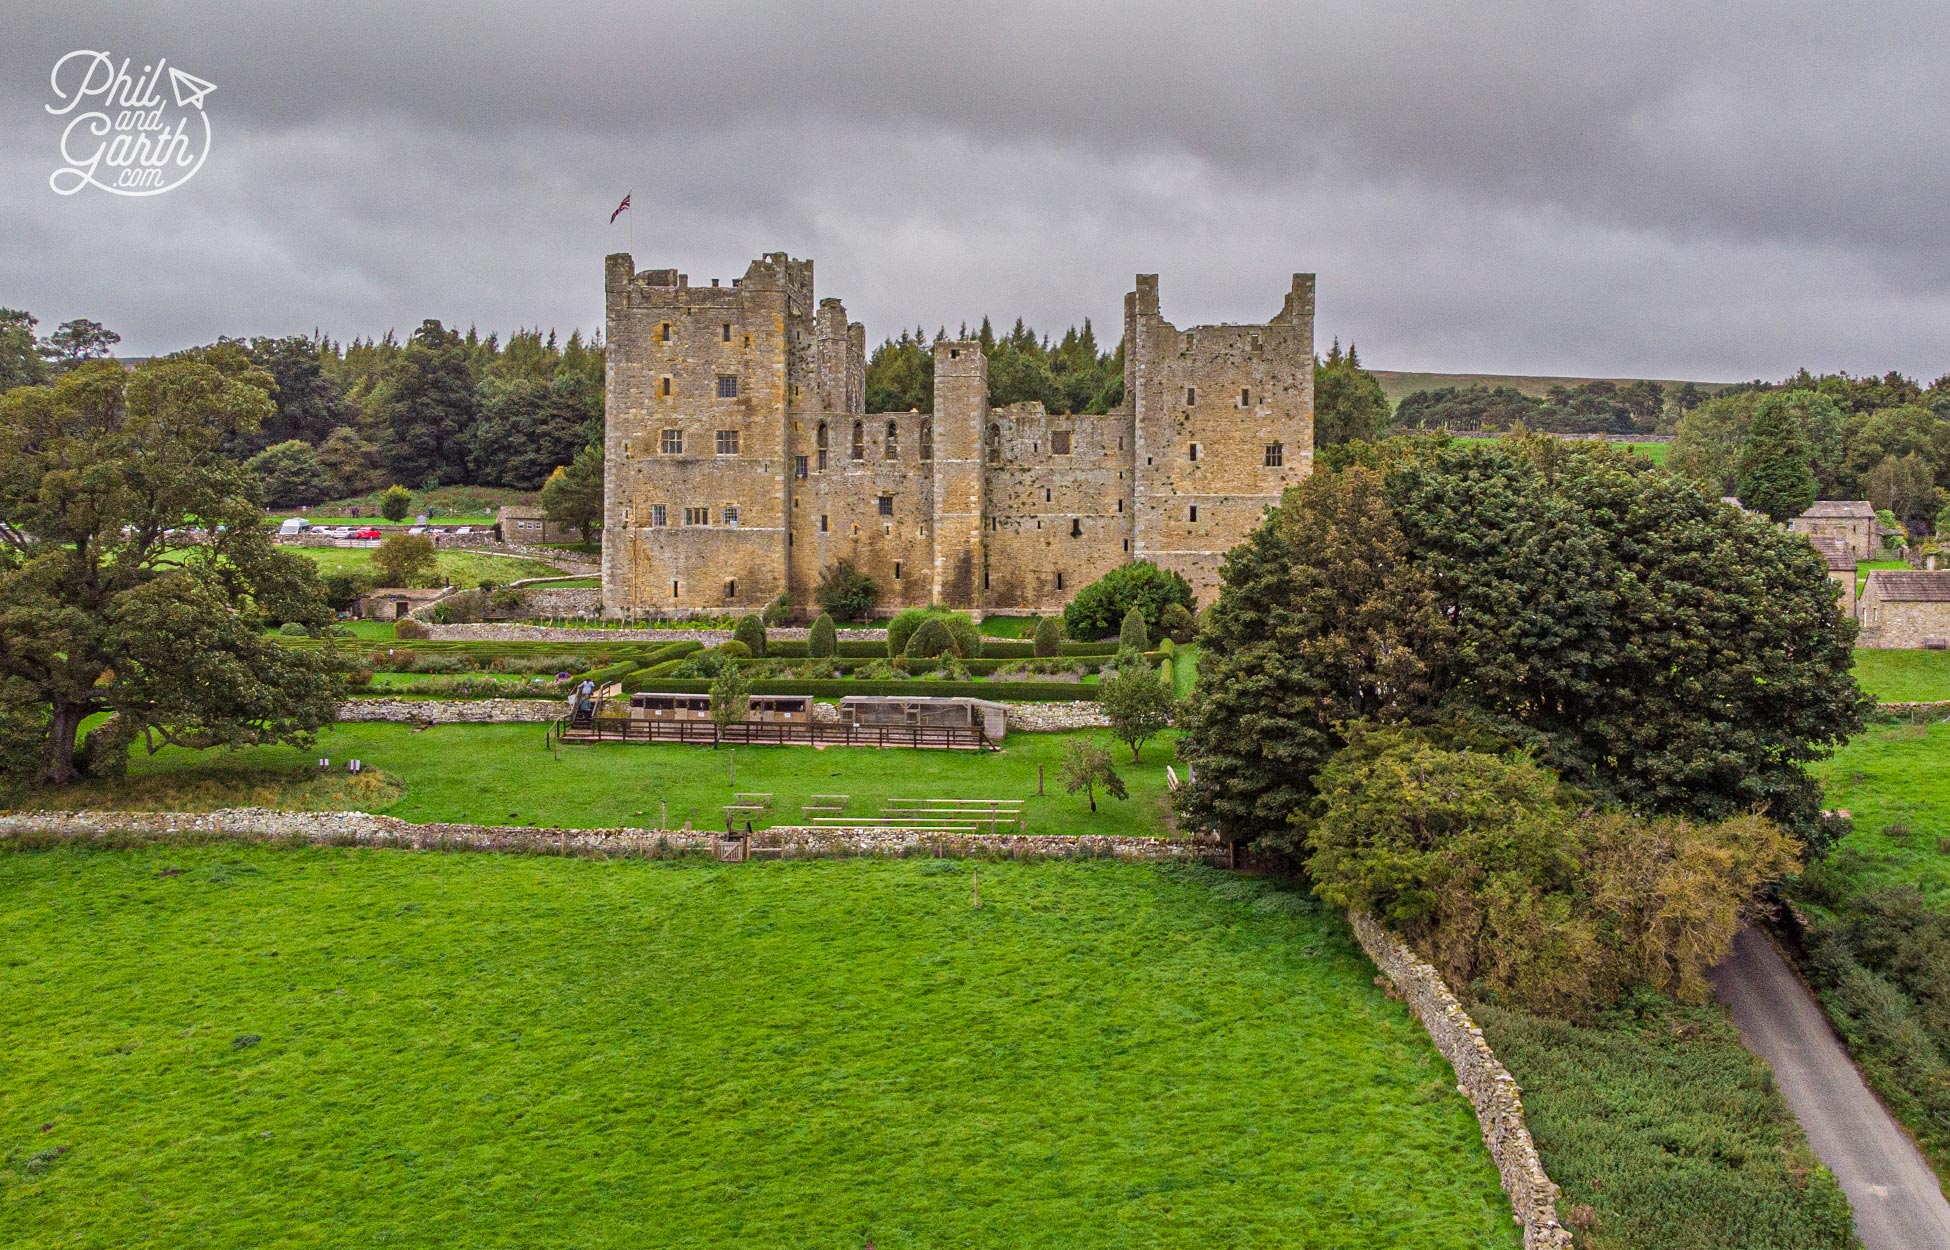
(741, 460)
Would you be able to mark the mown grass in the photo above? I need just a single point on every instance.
(1894, 781)
(456, 567)
(1904, 676)
(320, 1046)
(505, 774)
(1666, 1134)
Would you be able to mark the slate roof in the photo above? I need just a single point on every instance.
(1856, 509)
(1836, 552)
(1908, 586)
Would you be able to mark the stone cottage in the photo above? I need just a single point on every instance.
(1853, 520)
(524, 524)
(1902, 608)
(1841, 569)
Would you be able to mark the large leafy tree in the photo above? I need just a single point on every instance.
(105, 604)
(1773, 476)
(1100, 608)
(20, 354)
(1323, 618)
(529, 426)
(79, 340)
(573, 494)
(1348, 401)
(430, 409)
(309, 406)
(290, 473)
(1653, 645)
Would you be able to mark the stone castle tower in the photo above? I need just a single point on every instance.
(740, 459)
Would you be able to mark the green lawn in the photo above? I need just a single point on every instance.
(503, 774)
(1008, 626)
(1668, 1133)
(1895, 781)
(319, 1046)
(1904, 676)
(457, 567)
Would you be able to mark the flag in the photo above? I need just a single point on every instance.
(619, 210)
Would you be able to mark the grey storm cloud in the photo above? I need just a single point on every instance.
(1673, 189)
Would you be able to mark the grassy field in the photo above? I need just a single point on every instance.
(1864, 567)
(458, 568)
(503, 774)
(1904, 676)
(1895, 781)
(329, 1047)
(1666, 1134)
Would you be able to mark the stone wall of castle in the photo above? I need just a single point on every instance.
(741, 462)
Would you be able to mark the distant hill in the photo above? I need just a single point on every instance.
(1396, 385)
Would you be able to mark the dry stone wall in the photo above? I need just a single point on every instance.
(1480, 1076)
(550, 633)
(258, 824)
(453, 711)
(1051, 717)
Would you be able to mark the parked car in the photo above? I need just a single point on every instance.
(366, 531)
(292, 525)
(416, 529)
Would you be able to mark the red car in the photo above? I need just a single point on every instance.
(370, 531)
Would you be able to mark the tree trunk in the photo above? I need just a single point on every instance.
(63, 724)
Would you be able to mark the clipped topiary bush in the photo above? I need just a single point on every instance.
(1132, 633)
(1177, 623)
(750, 631)
(823, 640)
(292, 629)
(929, 641)
(734, 650)
(1048, 638)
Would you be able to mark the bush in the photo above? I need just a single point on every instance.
(779, 611)
(508, 601)
(543, 664)
(965, 637)
(734, 650)
(292, 629)
(344, 589)
(396, 503)
(408, 628)
(1099, 607)
(823, 639)
(1167, 648)
(1489, 866)
(1048, 637)
(846, 593)
(443, 663)
(466, 607)
(929, 641)
(751, 632)
(1177, 623)
(1132, 633)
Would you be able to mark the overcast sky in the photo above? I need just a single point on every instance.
(1712, 191)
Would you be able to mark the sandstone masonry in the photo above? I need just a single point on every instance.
(741, 462)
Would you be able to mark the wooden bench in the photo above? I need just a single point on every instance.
(841, 799)
(755, 800)
(747, 808)
(820, 809)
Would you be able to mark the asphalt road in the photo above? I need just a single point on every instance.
(1898, 1202)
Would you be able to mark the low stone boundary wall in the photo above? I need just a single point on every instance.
(571, 633)
(1051, 717)
(454, 711)
(259, 824)
(545, 600)
(1480, 1076)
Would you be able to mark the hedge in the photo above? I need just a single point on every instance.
(999, 691)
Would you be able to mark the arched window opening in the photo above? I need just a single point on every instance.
(892, 450)
(859, 440)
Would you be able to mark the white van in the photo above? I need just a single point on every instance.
(293, 525)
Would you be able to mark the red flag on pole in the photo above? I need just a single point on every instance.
(619, 209)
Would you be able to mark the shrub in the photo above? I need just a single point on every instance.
(1132, 633)
(750, 631)
(1100, 606)
(344, 589)
(544, 664)
(292, 629)
(508, 600)
(408, 628)
(1048, 640)
(734, 650)
(405, 560)
(846, 592)
(779, 611)
(396, 503)
(466, 607)
(823, 639)
(929, 641)
(1177, 623)
(1489, 866)
(446, 662)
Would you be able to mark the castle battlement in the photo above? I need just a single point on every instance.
(740, 460)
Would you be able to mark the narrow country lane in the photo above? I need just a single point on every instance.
(1898, 1202)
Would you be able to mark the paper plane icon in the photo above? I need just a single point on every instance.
(189, 89)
